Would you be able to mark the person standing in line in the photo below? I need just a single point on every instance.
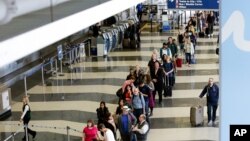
(108, 134)
(212, 91)
(146, 93)
(90, 131)
(141, 129)
(189, 50)
(126, 122)
(110, 123)
(165, 50)
(150, 84)
(138, 74)
(151, 65)
(173, 48)
(168, 67)
(157, 79)
(102, 112)
(25, 118)
(128, 82)
(138, 103)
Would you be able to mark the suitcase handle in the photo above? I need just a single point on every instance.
(200, 102)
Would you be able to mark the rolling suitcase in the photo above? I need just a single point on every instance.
(201, 34)
(167, 89)
(197, 116)
(179, 62)
(133, 44)
(207, 31)
(126, 43)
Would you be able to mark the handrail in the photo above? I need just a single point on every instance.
(67, 128)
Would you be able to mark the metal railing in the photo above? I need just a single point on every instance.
(25, 127)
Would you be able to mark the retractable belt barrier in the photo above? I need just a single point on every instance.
(67, 128)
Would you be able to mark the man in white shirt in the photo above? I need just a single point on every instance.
(165, 50)
(108, 134)
(141, 129)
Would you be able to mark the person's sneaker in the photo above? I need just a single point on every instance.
(209, 123)
(151, 114)
(213, 124)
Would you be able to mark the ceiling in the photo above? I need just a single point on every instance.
(39, 18)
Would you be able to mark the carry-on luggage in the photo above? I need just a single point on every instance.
(207, 31)
(201, 34)
(133, 44)
(126, 43)
(167, 88)
(197, 115)
(119, 93)
(193, 61)
(179, 62)
(217, 51)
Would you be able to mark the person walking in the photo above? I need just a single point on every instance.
(212, 91)
(210, 22)
(189, 50)
(25, 118)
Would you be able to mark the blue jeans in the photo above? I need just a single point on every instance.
(211, 112)
(188, 58)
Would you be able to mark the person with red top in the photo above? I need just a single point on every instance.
(90, 131)
(128, 82)
(128, 94)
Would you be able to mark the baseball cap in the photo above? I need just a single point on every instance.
(126, 108)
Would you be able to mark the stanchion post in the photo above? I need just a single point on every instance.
(178, 20)
(43, 82)
(13, 137)
(61, 71)
(25, 85)
(181, 19)
(68, 133)
(185, 18)
(56, 64)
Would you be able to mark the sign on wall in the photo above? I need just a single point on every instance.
(193, 4)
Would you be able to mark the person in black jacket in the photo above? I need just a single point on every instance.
(210, 22)
(212, 91)
(102, 112)
(157, 79)
(110, 123)
(26, 116)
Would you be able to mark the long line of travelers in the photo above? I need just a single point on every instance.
(138, 92)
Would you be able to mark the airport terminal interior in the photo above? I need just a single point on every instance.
(67, 79)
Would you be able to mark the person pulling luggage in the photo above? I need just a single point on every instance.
(212, 91)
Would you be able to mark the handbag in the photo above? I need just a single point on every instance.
(119, 93)
(193, 61)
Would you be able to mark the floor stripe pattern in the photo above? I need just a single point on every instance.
(72, 99)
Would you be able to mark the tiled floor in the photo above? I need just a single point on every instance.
(74, 97)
